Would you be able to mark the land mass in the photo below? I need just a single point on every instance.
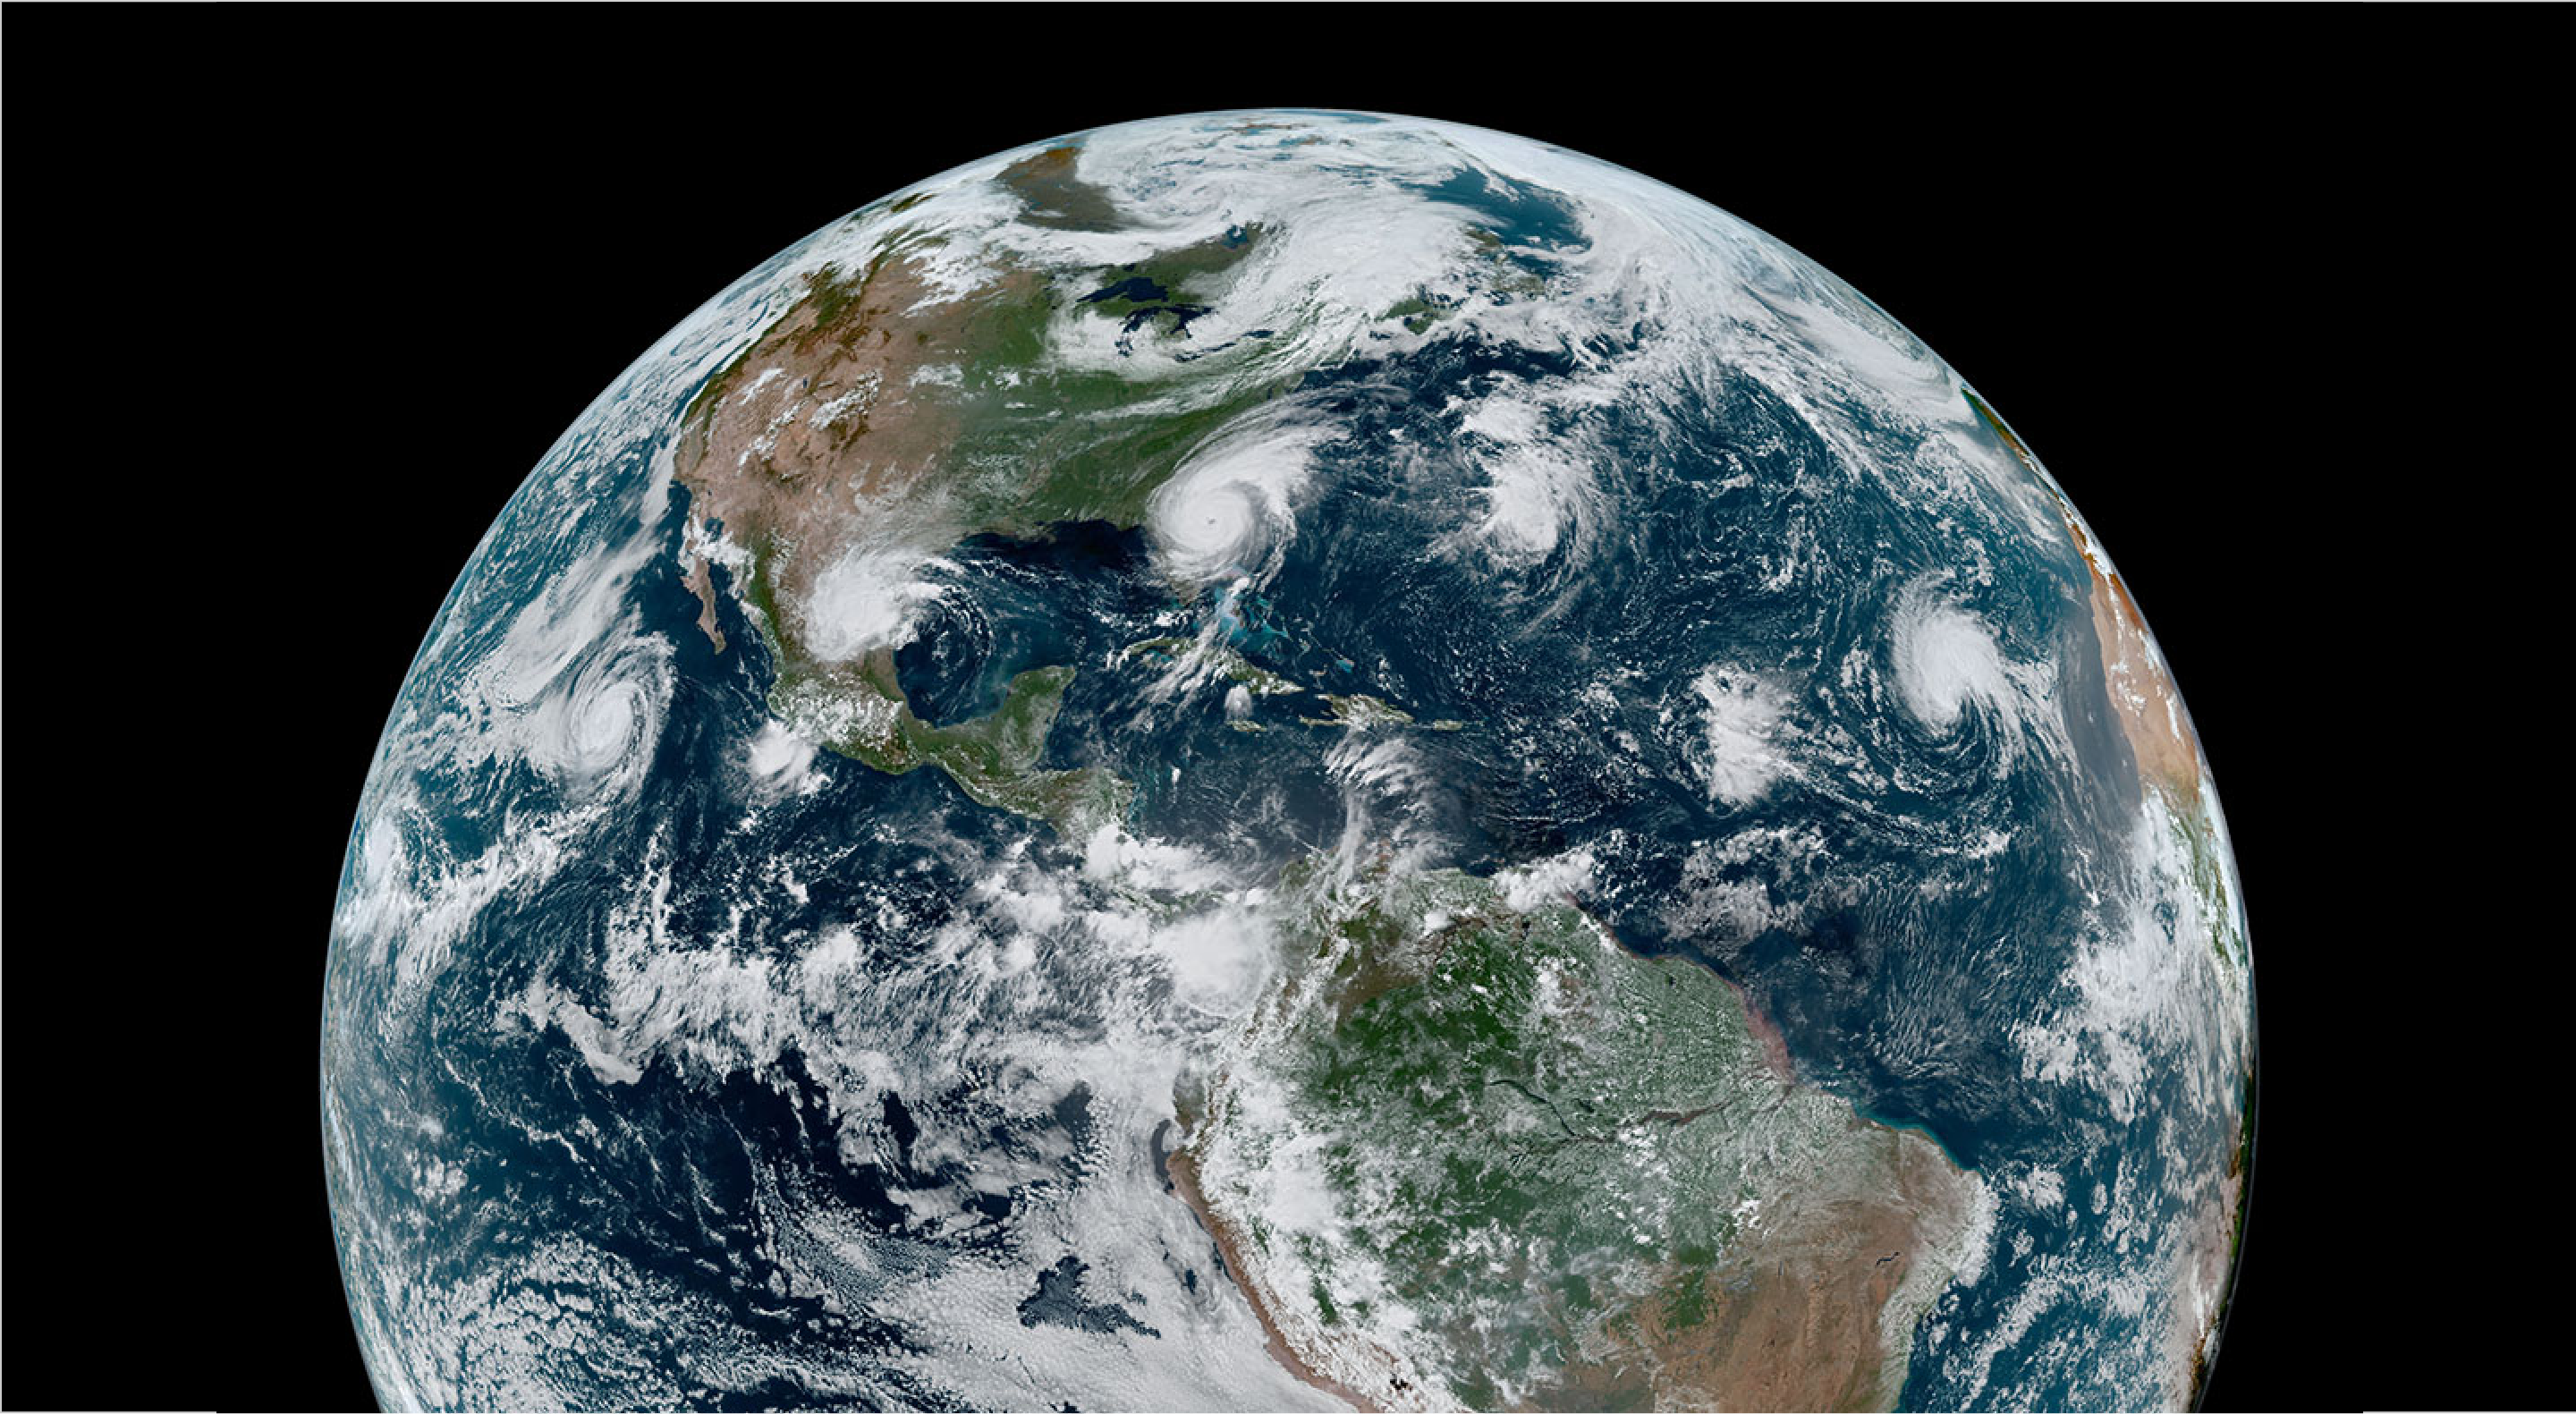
(1471, 1154)
(891, 413)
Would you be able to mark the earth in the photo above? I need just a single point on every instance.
(1289, 760)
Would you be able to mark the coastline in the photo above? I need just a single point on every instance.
(1182, 1167)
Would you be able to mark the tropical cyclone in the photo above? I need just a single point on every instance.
(887, 416)
(1473, 1153)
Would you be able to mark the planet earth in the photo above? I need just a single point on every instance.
(1289, 760)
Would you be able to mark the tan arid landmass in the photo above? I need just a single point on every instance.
(1804, 1319)
(818, 434)
(2143, 695)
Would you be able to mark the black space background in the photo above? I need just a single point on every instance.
(295, 299)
